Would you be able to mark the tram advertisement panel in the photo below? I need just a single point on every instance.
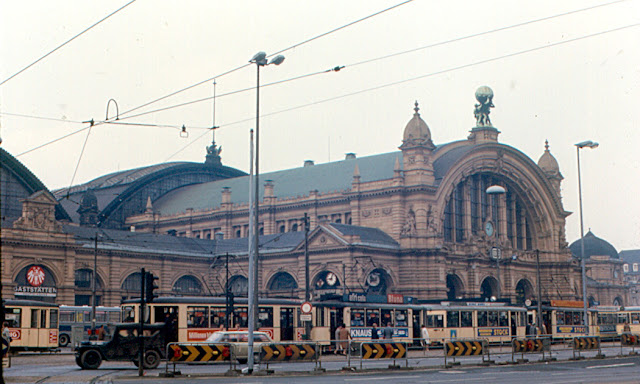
(571, 329)
(487, 332)
(365, 333)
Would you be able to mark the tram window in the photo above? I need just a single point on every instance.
(34, 318)
(128, 314)
(53, 321)
(67, 316)
(622, 318)
(483, 318)
(265, 317)
(635, 317)
(435, 321)
(503, 319)
(560, 318)
(577, 319)
(386, 318)
(197, 317)
(14, 318)
(217, 317)
(523, 318)
(401, 318)
(101, 316)
(493, 318)
(113, 317)
(466, 318)
(320, 317)
(357, 317)
(373, 316)
(453, 319)
(240, 317)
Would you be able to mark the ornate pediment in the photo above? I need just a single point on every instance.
(38, 213)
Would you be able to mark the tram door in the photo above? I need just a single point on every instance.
(286, 324)
(169, 316)
(417, 332)
(336, 318)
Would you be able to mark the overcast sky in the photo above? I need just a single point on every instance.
(568, 78)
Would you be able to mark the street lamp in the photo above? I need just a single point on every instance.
(592, 145)
(260, 59)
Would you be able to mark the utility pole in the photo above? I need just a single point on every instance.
(143, 274)
(307, 290)
(226, 294)
(94, 282)
(539, 289)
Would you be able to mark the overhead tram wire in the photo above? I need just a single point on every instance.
(41, 117)
(66, 42)
(283, 50)
(421, 77)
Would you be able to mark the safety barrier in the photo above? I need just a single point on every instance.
(199, 353)
(460, 347)
(630, 340)
(584, 343)
(292, 352)
(383, 350)
(531, 345)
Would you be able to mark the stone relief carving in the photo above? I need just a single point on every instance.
(409, 227)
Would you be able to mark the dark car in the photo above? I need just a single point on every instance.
(121, 342)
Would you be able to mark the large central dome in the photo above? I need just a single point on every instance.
(593, 246)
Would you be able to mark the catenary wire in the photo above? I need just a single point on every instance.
(40, 117)
(248, 64)
(66, 42)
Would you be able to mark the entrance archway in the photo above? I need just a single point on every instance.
(490, 289)
(455, 288)
(524, 291)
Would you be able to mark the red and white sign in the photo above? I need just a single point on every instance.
(394, 298)
(299, 334)
(16, 334)
(35, 276)
(306, 307)
(199, 334)
(268, 331)
(53, 337)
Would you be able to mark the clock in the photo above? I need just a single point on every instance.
(488, 228)
(331, 279)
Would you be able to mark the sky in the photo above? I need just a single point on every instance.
(563, 71)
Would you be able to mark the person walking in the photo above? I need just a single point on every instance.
(6, 333)
(387, 333)
(424, 332)
(344, 337)
(374, 332)
(336, 338)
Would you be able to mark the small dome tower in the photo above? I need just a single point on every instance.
(416, 151)
(549, 166)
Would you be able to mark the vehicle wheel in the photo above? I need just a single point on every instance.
(135, 362)
(151, 359)
(63, 341)
(78, 361)
(90, 359)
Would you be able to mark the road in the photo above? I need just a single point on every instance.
(429, 368)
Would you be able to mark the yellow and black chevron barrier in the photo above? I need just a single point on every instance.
(465, 348)
(199, 353)
(383, 350)
(581, 343)
(283, 352)
(630, 340)
(530, 345)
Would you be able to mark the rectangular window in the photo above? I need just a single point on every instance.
(623, 318)
(67, 316)
(320, 317)
(503, 319)
(373, 316)
(448, 222)
(386, 317)
(128, 314)
(483, 319)
(459, 197)
(265, 317)
(197, 317)
(240, 317)
(560, 318)
(435, 321)
(34, 318)
(635, 267)
(401, 317)
(466, 319)
(493, 319)
(635, 317)
(357, 317)
(625, 268)
(510, 218)
(14, 317)
(53, 321)
(519, 227)
(453, 319)
(475, 206)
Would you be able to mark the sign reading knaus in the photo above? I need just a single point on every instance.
(365, 333)
(485, 332)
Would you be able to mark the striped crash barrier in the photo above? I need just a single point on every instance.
(382, 350)
(199, 353)
(630, 339)
(586, 343)
(457, 348)
(530, 345)
(288, 352)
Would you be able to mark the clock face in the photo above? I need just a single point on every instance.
(488, 228)
(331, 279)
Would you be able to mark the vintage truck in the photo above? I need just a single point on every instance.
(121, 343)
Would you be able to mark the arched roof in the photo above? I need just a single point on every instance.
(125, 193)
(593, 246)
(19, 183)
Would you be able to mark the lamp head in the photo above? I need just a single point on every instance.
(496, 190)
(259, 58)
(587, 144)
(277, 60)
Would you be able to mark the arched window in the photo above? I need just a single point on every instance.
(524, 291)
(131, 285)
(618, 302)
(282, 281)
(187, 285)
(490, 289)
(239, 286)
(454, 287)
(83, 283)
(469, 199)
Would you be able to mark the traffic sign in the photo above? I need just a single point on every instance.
(305, 317)
(306, 307)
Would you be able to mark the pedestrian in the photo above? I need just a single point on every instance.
(6, 333)
(344, 336)
(424, 332)
(388, 332)
(626, 328)
(374, 332)
(336, 337)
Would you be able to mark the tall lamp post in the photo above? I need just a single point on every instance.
(580, 145)
(260, 60)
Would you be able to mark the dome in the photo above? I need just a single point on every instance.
(593, 246)
(417, 130)
(547, 162)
